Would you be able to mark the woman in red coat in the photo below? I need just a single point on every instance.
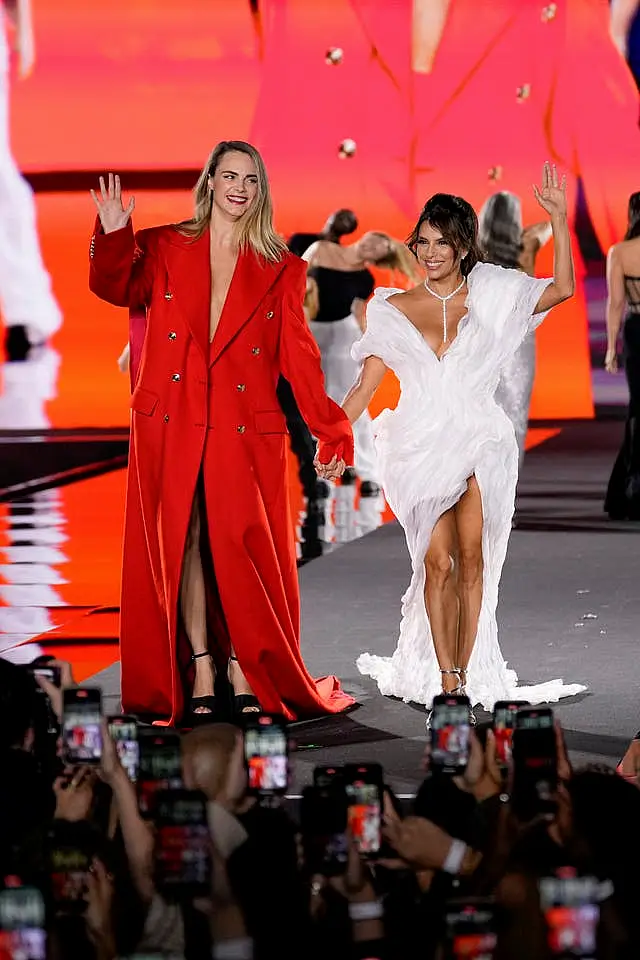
(207, 484)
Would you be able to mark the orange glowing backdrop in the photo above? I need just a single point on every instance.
(151, 85)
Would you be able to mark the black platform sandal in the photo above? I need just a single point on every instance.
(244, 704)
(206, 706)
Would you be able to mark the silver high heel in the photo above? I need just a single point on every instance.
(473, 720)
(455, 692)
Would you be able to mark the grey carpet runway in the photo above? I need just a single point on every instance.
(569, 607)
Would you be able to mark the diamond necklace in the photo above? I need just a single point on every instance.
(443, 301)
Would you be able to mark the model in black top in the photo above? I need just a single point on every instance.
(622, 501)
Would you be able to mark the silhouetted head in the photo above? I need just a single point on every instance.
(633, 217)
(500, 229)
(341, 223)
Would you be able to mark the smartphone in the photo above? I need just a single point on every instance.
(81, 720)
(52, 674)
(70, 861)
(504, 722)
(266, 751)
(22, 924)
(328, 776)
(470, 930)
(364, 788)
(124, 732)
(159, 765)
(323, 822)
(450, 731)
(572, 912)
(183, 856)
(535, 766)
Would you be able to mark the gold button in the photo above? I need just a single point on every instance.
(241, 388)
(173, 335)
(241, 428)
(176, 377)
(168, 296)
(495, 173)
(523, 92)
(166, 418)
(549, 12)
(255, 351)
(269, 314)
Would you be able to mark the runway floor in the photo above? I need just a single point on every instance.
(569, 607)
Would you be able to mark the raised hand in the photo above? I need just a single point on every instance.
(552, 195)
(112, 213)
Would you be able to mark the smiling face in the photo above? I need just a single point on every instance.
(234, 184)
(436, 254)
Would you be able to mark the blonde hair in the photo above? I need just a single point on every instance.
(398, 257)
(255, 230)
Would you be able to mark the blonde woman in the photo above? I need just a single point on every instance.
(344, 283)
(209, 571)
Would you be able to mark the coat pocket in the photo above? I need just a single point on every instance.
(270, 421)
(144, 401)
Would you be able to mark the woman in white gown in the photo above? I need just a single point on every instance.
(448, 453)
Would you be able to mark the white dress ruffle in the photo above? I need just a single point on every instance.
(446, 428)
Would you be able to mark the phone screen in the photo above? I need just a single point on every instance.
(471, 932)
(323, 816)
(69, 869)
(364, 786)
(81, 730)
(535, 774)
(504, 722)
(572, 913)
(22, 924)
(159, 766)
(267, 756)
(124, 733)
(450, 734)
(183, 859)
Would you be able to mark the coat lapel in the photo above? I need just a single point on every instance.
(189, 283)
(468, 37)
(390, 42)
(252, 280)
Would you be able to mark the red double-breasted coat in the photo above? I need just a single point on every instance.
(209, 411)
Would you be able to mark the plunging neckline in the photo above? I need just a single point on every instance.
(438, 357)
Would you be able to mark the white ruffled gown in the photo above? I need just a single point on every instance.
(446, 428)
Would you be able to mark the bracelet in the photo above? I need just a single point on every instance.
(239, 949)
(453, 860)
(371, 910)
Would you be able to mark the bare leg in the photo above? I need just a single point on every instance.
(469, 521)
(193, 604)
(440, 595)
(240, 683)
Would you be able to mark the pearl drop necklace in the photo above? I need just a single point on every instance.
(443, 301)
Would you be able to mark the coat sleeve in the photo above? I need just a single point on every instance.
(121, 266)
(300, 364)
(596, 104)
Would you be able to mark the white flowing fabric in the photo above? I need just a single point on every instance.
(515, 388)
(446, 428)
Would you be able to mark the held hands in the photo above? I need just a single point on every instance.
(330, 471)
(113, 215)
(552, 195)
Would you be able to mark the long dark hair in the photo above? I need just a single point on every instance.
(457, 222)
(500, 229)
(633, 226)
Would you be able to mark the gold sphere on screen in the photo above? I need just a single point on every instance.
(334, 56)
(347, 149)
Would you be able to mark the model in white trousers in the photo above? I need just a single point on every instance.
(26, 297)
(342, 521)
